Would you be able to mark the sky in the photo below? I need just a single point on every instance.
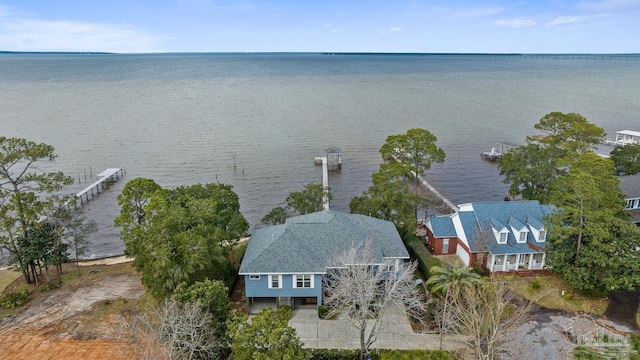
(144, 26)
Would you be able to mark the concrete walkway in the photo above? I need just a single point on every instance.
(338, 334)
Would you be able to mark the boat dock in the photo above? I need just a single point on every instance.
(498, 151)
(105, 178)
(624, 137)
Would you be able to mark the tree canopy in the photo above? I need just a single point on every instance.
(531, 169)
(446, 279)
(626, 159)
(184, 236)
(592, 241)
(23, 191)
(267, 337)
(394, 194)
(388, 198)
(415, 150)
(308, 200)
(213, 297)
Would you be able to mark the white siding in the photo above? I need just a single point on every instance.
(463, 254)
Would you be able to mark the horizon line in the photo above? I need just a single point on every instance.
(320, 53)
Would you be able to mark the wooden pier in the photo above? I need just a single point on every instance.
(104, 179)
(325, 180)
(440, 202)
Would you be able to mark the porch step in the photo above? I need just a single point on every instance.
(525, 272)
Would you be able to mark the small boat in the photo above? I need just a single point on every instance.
(498, 151)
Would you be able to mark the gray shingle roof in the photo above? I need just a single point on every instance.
(442, 226)
(308, 243)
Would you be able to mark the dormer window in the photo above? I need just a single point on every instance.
(523, 236)
(503, 238)
(543, 236)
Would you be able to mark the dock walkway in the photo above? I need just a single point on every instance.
(104, 179)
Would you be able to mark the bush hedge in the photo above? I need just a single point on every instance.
(420, 252)
(335, 354)
(14, 299)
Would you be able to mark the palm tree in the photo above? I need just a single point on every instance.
(445, 279)
(449, 282)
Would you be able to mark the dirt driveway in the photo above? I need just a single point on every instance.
(52, 327)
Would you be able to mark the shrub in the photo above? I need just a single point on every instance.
(478, 269)
(414, 355)
(14, 299)
(335, 354)
(535, 284)
(51, 285)
(322, 311)
(420, 252)
(568, 296)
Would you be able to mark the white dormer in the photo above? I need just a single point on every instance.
(522, 236)
(500, 232)
(537, 229)
(520, 231)
(542, 235)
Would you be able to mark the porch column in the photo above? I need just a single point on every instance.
(544, 255)
(491, 262)
(531, 256)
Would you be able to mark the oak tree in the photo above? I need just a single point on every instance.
(185, 236)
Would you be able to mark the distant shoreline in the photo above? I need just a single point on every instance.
(328, 53)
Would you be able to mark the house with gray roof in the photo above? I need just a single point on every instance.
(630, 186)
(285, 264)
(500, 236)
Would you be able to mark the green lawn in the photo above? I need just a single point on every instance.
(7, 277)
(549, 295)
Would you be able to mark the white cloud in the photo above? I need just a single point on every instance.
(394, 29)
(18, 34)
(563, 20)
(515, 23)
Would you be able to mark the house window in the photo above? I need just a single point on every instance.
(275, 281)
(303, 281)
(254, 277)
(445, 246)
(543, 235)
(523, 236)
(390, 265)
(503, 238)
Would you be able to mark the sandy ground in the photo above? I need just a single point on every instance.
(52, 328)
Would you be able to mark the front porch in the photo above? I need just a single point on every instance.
(516, 262)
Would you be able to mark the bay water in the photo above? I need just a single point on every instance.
(256, 121)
